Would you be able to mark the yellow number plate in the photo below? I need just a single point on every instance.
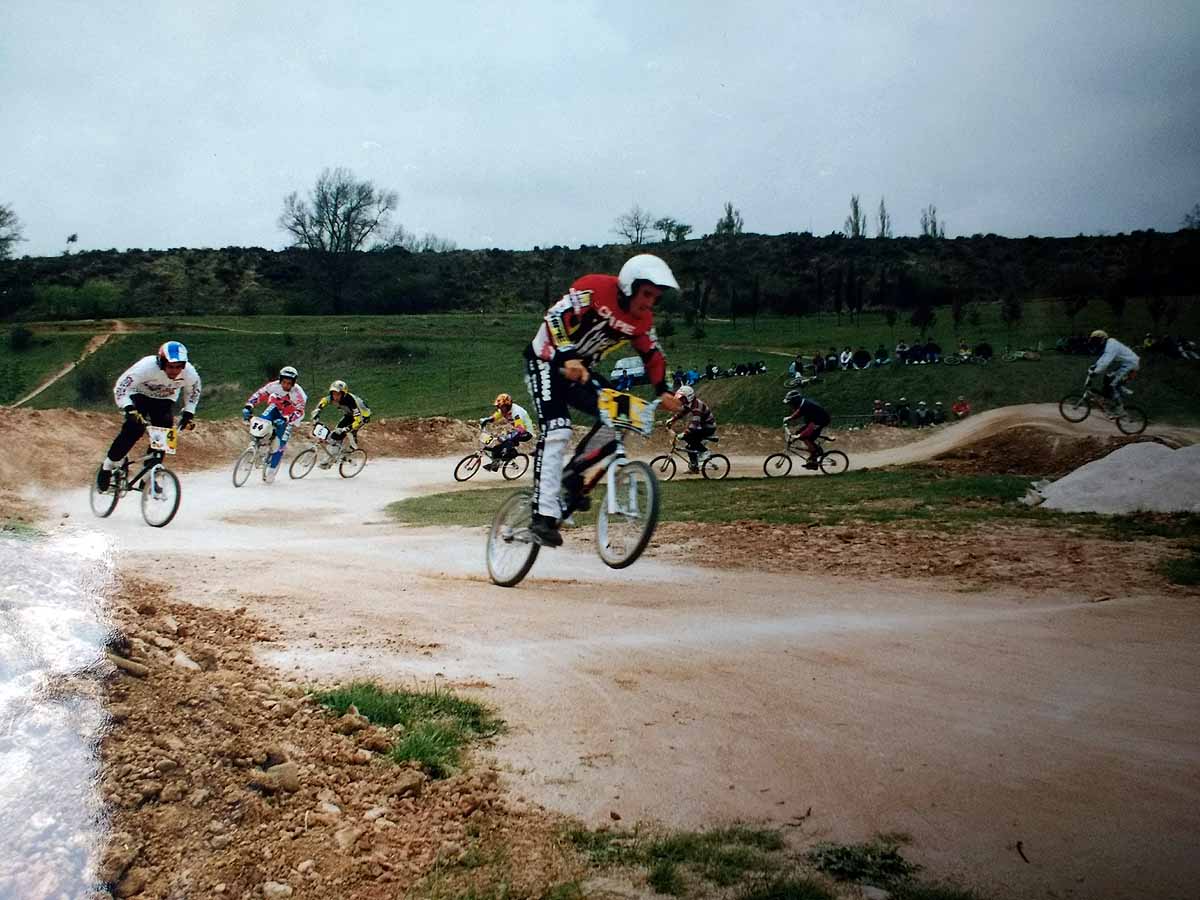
(162, 439)
(621, 410)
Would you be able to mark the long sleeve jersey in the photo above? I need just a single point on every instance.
(810, 411)
(146, 378)
(517, 419)
(1115, 351)
(350, 405)
(289, 403)
(588, 322)
(699, 415)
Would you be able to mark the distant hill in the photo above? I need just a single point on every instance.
(743, 275)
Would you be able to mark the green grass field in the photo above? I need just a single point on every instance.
(22, 371)
(454, 364)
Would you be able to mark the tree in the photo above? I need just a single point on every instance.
(730, 223)
(72, 238)
(1012, 310)
(10, 230)
(884, 229)
(889, 316)
(930, 226)
(633, 225)
(1191, 220)
(856, 222)
(334, 222)
(923, 316)
(672, 230)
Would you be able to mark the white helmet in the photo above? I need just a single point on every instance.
(338, 385)
(686, 393)
(645, 267)
(289, 372)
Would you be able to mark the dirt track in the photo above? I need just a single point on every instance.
(970, 720)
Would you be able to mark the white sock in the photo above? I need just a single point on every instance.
(108, 465)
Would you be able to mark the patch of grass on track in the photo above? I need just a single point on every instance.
(437, 723)
(1183, 571)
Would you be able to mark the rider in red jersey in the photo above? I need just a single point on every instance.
(598, 313)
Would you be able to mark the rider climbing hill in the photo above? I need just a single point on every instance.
(815, 417)
(146, 392)
(701, 427)
(598, 313)
(285, 407)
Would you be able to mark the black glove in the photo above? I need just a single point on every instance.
(132, 415)
(185, 421)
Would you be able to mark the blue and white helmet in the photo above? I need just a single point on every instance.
(172, 351)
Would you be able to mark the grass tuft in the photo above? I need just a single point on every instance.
(788, 888)
(1183, 571)
(876, 862)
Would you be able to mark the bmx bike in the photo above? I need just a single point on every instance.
(829, 462)
(255, 456)
(159, 486)
(512, 468)
(713, 466)
(627, 513)
(1077, 407)
(349, 459)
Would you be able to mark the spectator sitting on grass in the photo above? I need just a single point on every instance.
(933, 351)
(712, 370)
(939, 413)
(861, 358)
(964, 351)
(902, 353)
(961, 408)
(881, 356)
(831, 360)
(818, 363)
(846, 358)
(677, 378)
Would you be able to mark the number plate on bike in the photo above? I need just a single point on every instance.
(320, 432)
(260, 427)
(162, 439)
(625, 411)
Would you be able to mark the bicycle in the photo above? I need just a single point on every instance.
(627, 514)
(829, 462)
(955, 359)
(1077, 407)
(511, 469)
(255, 456)
(158, 485)
(713, 466)
(349, 460)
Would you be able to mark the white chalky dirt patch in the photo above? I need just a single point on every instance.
(1143, 477)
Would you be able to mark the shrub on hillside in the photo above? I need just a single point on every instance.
(91, 385)
(19, 338)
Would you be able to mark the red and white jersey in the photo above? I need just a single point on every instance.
(588, 322)
(146, 378)
(290, 403)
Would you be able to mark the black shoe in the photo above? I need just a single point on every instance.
(103, 480)
(812, 465)
(545, 531)
(574, 497)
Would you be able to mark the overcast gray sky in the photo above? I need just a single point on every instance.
(512, 124)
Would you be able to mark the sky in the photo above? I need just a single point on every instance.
(539, 122)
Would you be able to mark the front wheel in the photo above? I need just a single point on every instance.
(1131, 420)
(303, 462)
(516, 467)
(352, 463)
(715, 467)
(777, 465)
(628, 515)
(244, 466)
(834, 462)
(160, 496)
(511, 548)
(952, 360)
(104, 503)
(1075, 408)
(467, 467)
(663, 467)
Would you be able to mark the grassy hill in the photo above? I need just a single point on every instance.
(454, 364)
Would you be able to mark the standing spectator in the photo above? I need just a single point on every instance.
(939, 413)
(903, 413)
(921, 415)
(677, 379)
(961, 408)
(877, 414)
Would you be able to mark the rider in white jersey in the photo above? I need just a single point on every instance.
(1123, 361)
(285, 401)
(146, 392)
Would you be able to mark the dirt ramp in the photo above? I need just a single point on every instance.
(1029, 450)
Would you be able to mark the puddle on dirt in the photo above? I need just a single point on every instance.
(52, 634)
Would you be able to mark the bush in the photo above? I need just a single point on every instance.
(91, 386)
(666, 328)
(19, 338)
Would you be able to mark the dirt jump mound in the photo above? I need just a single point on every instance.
(1029, 450)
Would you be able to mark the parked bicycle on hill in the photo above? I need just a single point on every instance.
(829, 462)
(713, 466)
(628, 509)
(159, 486)
(330, 451)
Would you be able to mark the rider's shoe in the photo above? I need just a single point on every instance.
(545, 531)
(812, 465)
(574, 497)
(492, 466)
(328, 464)
(103, 480)
(693, 470)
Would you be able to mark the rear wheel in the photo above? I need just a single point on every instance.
(777, 465)
(624, 532)
(1075, 408)
(244, 466)
(663, 467)
(516, 467)
(467, 466)
(952, 360)
(715, 467)
(303, 462)
(1131, 420)
(835, 462)
(160, 496)
(104, 503)
(511, 548)
(352, 463)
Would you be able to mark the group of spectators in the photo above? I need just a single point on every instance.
(1165, 344)
(691, 374)
(902, 414)
(918, 353)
